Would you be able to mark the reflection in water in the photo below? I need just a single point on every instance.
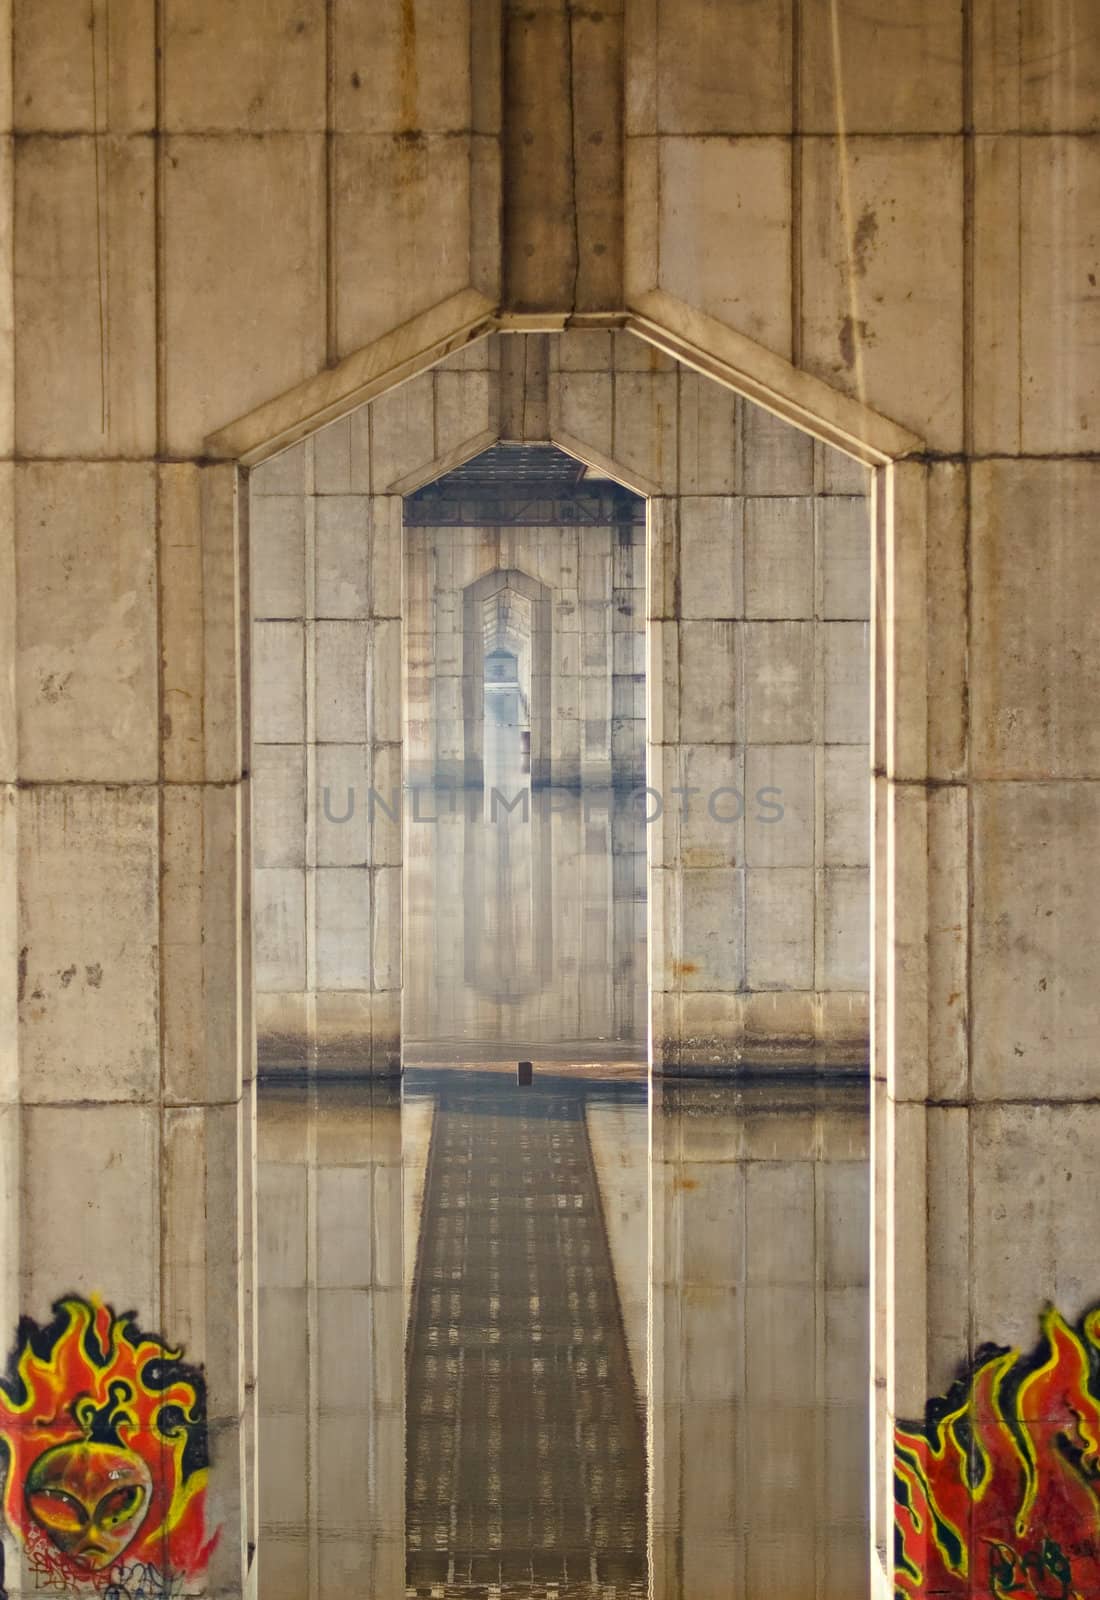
(458, 1397)
(759, 1326)
(526, 1454)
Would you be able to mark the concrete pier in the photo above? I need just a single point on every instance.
(268, 269)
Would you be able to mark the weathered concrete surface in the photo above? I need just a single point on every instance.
(562, 156)
(942, 277)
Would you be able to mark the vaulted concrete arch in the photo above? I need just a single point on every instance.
(646, 467)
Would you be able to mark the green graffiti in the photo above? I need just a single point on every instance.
(1033, 1572)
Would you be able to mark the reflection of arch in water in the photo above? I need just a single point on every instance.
(495, 585)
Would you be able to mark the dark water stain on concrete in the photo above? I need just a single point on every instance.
(410, 77)
(852, 331)
(864, 241)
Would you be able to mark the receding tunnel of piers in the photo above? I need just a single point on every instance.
(525, 758)
(560, 820)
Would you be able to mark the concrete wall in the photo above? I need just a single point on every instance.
(327, 669)
(885, 218)
(759, 649)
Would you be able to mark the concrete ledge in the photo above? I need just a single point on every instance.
(382, 365)
(338, 1033)
(753, 1068)
(289, 1057)
(728, 1034)
(767, 379)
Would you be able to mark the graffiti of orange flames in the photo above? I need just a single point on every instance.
(86, 1350)
(998, 1493)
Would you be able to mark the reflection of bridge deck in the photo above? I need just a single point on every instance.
(526, 1454)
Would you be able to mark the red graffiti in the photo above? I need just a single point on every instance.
(103, 1431)
(998, 1492)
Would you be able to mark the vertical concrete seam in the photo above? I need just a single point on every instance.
(472, 74)
(1018, 133)
(309, 703)
(162, 1185)
(969, 248)
(332, 341)
(499, 271)
(107, 63)
(1019, 294)
(613, 418)
(158, 578)
(242, 497)
(105, 291)
(796, 183)
(678, 434)
(968, 953)
(402, 764)
(574, 212)
(506, 206)
(10, 451)
(159, 231)
(969, 225)
(99, 180)
(246, 1016)
(659, 160)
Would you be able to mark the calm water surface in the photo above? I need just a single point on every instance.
(558, 1340)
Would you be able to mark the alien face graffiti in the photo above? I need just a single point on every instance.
(103, 1446)
(89, 1499)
